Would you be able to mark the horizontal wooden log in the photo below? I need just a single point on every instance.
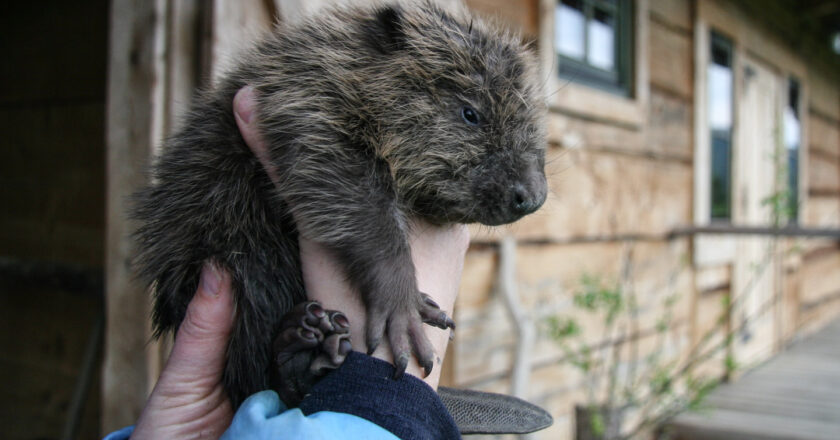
(548, 277)
(675, 13)
(822, 211)
(602, 194)
(521, 16)
(786, 231)
(824, 136)
(671, 60)
(824, 93)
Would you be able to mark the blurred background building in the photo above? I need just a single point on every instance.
(691, 231)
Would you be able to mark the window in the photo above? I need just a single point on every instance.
(593, 41)
(719, 79)
(792, 136)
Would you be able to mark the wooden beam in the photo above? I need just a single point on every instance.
(786, 231)
(159, 53)
(132, 82)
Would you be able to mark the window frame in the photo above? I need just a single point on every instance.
(716, 250)
(566, 97)
(725, 43)
(619, 81)
(794, 189)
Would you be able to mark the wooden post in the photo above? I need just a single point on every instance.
(235, 25)
(155, 65)
(130, 114)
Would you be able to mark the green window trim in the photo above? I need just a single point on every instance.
(614, 15)
(793, 146)
(720, 81)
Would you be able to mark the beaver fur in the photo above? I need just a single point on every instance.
(374, 116)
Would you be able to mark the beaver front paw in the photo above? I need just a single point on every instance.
(311, 342)
(404, 326)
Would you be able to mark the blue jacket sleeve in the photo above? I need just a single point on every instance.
(263, 416)
(122, 434)
(364, 386)
(358, 400)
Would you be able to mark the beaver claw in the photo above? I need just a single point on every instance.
(311, 342)
(404, 327)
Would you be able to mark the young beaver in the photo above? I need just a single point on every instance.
(374, 116)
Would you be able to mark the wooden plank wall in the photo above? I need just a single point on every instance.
(620, 179)
(160, 53)
(132, 77)
(617, 185)
(522, 15)
(610, 181)
(818, 290)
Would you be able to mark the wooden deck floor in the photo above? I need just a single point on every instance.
(795, 395)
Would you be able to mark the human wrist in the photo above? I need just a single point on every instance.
(326, 283)
(438, 256)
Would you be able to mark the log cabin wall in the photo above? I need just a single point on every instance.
(161, 53)
(623, 172)
(620, 171)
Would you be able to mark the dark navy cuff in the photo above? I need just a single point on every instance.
(364, 386)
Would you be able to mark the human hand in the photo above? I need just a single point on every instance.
(437, 253)
(188, 398)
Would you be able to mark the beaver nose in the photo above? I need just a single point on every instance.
(525, 202)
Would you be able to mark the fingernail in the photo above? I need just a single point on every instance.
(244, 112)
(211, 280)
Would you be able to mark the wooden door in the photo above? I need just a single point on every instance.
(755, 177)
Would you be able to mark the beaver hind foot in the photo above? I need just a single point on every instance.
(311, 342)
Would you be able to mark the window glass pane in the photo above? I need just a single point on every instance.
(721, 175)
(792, 127)
(720, 97)
(601, 40)
(792, 136)
(569, 28)
(719, 78)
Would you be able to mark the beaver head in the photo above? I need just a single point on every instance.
(460, 116)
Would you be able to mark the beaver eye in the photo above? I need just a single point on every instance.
(470, 115)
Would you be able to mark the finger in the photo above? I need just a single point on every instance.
(244, 111)
(201, 342)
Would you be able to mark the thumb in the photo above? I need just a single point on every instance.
(188, 395)
(198, 354)
(244, 111)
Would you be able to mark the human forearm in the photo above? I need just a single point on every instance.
(438, 256)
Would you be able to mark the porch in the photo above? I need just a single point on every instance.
(794, 395)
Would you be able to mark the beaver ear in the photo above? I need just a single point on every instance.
(387, 35)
